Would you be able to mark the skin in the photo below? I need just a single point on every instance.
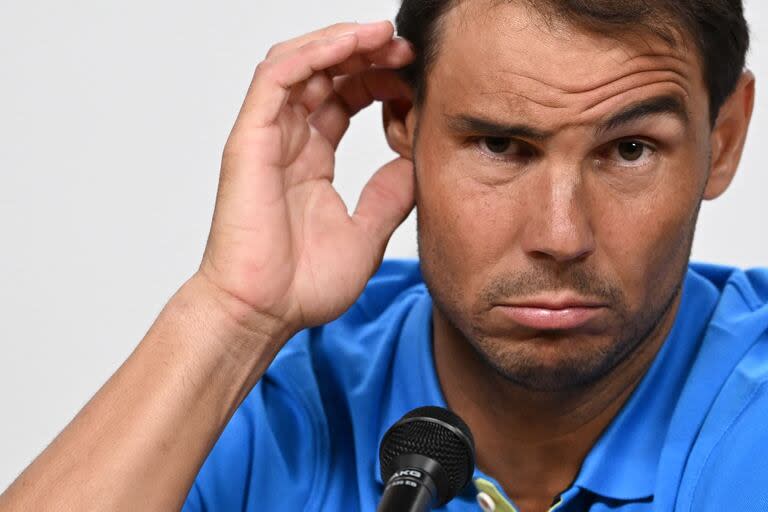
(284, 253)
(604, 212)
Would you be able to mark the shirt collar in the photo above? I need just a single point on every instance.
(623, 462)
(413, 357)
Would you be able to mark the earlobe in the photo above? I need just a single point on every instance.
(399, 120)
(728, 136)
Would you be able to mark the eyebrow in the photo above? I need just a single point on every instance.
(468, 123)
(658, 105)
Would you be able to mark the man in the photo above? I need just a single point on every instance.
(557, 153)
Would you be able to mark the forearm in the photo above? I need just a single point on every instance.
(140, 441)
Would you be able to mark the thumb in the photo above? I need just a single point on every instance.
(385, 202)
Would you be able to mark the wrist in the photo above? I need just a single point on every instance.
(232, 325)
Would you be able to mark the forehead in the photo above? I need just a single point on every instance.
(503, 55)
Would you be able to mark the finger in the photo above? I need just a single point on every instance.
(317, 89)
(370, 35)
(385, 202)
(273, 79)
(313, 92)
(396, 53)
(352, 94)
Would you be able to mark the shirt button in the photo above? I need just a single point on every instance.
(486, 502)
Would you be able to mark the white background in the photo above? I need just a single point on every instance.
(112, 121)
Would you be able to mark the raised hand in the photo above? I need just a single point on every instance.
(282, 241)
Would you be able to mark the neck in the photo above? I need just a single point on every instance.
(533, 442)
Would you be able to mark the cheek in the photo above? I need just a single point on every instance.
(646, 240)
(647, 235)
(465, 227)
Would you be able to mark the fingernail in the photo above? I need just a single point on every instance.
(374, 26)
(403, 40)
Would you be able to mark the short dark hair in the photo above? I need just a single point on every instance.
(716, 27)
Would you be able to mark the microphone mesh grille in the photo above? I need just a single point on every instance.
(434, 440)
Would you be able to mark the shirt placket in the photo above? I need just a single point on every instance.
(491, 499)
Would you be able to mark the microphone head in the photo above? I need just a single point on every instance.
(437, 434)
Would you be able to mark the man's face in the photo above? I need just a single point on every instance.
(556, 168)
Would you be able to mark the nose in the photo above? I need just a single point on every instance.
(559, 226)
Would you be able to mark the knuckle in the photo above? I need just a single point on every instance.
(265, 69)
(233, 146)
(275, 50)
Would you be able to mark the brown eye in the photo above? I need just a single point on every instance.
(631, 150)
(505, 148)
(497, 144)
(628, 153)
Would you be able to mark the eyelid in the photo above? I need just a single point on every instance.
(604, 153)
(613, 146)
(475, 141)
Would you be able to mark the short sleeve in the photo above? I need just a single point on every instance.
(268, 455)
(735, 476)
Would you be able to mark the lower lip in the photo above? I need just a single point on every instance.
(551, 319)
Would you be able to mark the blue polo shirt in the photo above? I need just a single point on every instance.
(693, 436)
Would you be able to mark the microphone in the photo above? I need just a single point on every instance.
(427, 457)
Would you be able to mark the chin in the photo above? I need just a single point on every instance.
(553, 365)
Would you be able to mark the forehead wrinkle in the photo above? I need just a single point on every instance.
(574, 89)
(592, 99)
(580, 116)
(623, 73)
(509, 92)
(569, 74)
(618, 88)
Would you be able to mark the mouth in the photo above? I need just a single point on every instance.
(555, 312)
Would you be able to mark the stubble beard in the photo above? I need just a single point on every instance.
(577, 370)
(521, 366)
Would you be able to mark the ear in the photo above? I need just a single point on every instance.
(728, 136)
(399, 125)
